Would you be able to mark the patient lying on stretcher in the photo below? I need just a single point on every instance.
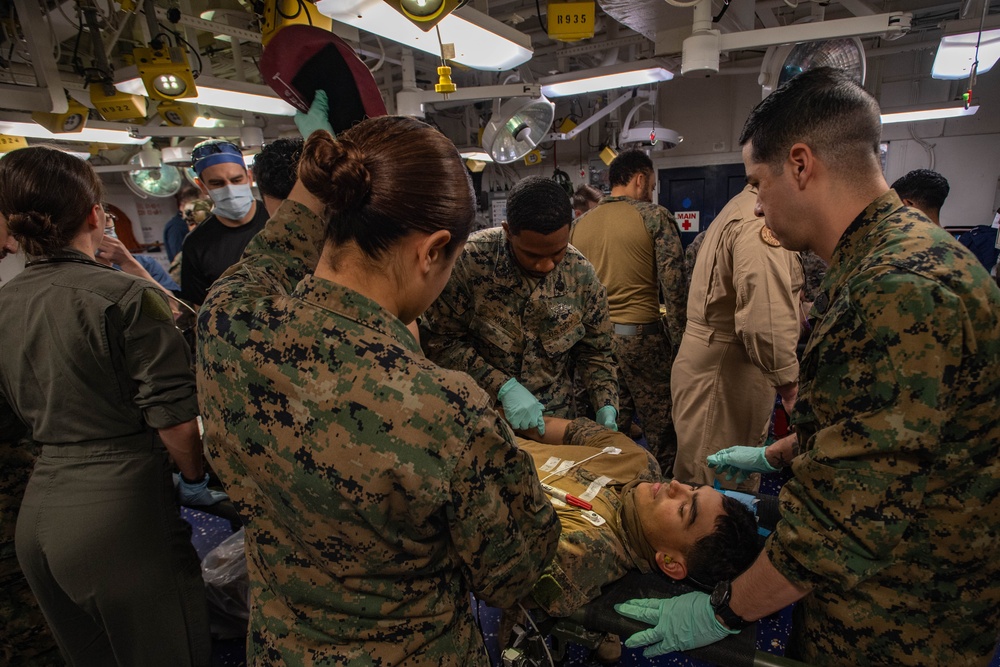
(639, 519)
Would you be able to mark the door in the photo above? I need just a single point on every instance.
(696, 194)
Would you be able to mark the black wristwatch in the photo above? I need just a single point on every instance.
(719, 600)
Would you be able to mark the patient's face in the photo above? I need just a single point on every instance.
(674, 516)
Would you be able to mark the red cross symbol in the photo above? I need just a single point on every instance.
(686, 225)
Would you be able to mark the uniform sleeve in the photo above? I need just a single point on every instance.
(767, 282)
(592, 353)
(587, 558)
(670, 271)
(157, 359)
(446, 335)
(503, 527)
(581, 430)
(882, 395)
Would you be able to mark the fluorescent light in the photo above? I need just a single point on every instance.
(928, 112)
(957, 50)
(477, 154)
(480, 42)
(625, 75)
(95, 132)
(215, 92)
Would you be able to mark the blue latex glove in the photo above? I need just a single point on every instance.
(608, 417)
(738, 462)
(197, 494)
(681, 623)
(317, 118)
(521, 408)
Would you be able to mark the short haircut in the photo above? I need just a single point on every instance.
(928, 189)
(729, 550)
(186, 194)
(627, 165)
(825, 109)
(275, 167)
(585, 195)
(538, 204)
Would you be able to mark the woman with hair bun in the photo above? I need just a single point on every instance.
(96, 377)
(377, 488)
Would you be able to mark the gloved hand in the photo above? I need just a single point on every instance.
(681, 623)
(607, 417)
(197, 494)
(521, 408)
(738, 462)
(317, 118)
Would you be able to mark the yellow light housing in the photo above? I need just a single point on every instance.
(177, 114)
(118, 105)
(279, 14)
(10, 142)
(165, 73)
(74, 119)
(425, 14)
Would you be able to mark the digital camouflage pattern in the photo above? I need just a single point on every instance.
(740, 341)
(377, 489)
(643, 361)
(814, 269)
(589, 556)
(493, 323)
(893, 515)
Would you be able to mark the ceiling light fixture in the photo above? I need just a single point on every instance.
(935, 111)
(481, 42)
(215, 92)
(957, 49)
(96, 131)
(624, 75)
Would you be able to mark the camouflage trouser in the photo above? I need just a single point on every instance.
(24, 636)
(644, 370)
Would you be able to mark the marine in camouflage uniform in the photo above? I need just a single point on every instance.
(635, 247)
(590, 556)
(814, 269)
(893, 516)
(495, 323)
(377, 488)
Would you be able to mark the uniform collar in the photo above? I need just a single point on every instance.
(353, 306)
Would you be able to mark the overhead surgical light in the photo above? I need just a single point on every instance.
(73, 120)
(481, 42)
(425, 14)
(624, 75)
(96, 131)
(517, 127)
(165, 72)
(957, 50)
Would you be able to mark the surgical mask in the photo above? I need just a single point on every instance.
(232, 201)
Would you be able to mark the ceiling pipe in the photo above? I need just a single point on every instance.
(49, 94)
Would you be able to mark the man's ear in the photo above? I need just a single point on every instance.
(802, 162)
(94, 219)
(675, 568)
(432, 249)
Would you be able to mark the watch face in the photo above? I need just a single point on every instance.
(720, 594)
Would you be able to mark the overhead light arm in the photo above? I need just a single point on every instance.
(617, 102)
(859, 26)
(411, 102)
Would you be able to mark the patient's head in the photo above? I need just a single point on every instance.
(696, 532)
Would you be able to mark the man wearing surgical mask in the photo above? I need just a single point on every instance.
(218, 242)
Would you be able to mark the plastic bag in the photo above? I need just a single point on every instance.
(227, 587)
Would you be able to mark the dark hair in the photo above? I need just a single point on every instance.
(928, 189)
(729, 550)
(186, 194)
(538, 204)
(275, 166)
(46, 195)
(627, 164)
(825, 109)
(386, 177)
(585, 194)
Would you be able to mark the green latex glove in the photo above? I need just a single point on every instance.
(197, 494)
(681, 623)
(608, 417)
(317, 118)
(521, 408)
(738, 462)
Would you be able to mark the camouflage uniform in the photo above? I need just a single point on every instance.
(814, 269)
(649, 268)
(691, 254)
(893, 515)
(494, 323)
(739, 345)
(590, 556)
(376, 488)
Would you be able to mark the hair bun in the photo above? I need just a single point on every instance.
(34, 231)
(335, 172)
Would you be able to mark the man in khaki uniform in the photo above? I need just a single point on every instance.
(739, 342)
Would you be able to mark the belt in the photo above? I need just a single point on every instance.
(637, 329)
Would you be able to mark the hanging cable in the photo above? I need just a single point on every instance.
(722, 12)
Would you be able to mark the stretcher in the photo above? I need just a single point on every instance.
(588, 625)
